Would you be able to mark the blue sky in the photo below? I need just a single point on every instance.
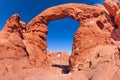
(60, 35)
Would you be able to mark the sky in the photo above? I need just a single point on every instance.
(60, 32)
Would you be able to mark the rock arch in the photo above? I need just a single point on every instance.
(88, 35)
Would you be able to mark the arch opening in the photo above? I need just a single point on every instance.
(61, 33)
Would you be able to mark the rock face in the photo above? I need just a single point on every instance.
(102, 63)
(113, 7)
(11, 45)
(95, 28)
(95, 51)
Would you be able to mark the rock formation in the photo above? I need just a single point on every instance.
(95, 28)
(113, 7)
(11, 45)
(95, 51)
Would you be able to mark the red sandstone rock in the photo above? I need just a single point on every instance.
(95, 51)
(95, 29)
(11, 44)
(102, 64)
(113, 7)
(14, 25)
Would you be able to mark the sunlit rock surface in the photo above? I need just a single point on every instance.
(95, 51)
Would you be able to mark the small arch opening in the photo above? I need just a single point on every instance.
(60, 34)
(100, 24)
